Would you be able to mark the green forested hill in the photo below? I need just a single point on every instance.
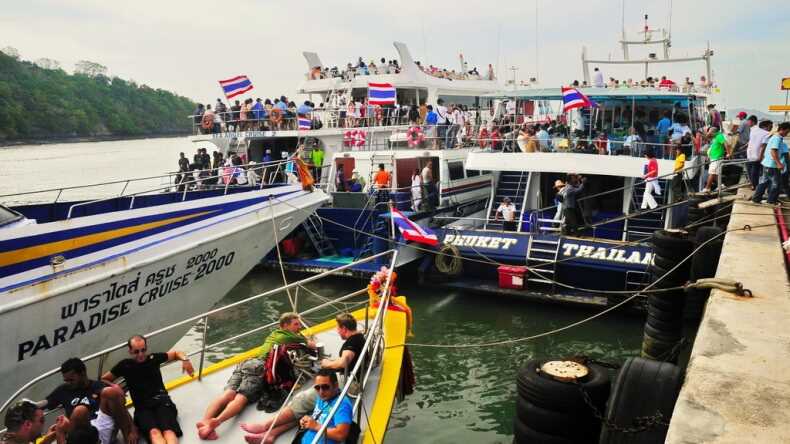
(38, 103)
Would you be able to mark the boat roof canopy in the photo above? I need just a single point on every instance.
(596, 94)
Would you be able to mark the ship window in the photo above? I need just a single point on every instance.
(469, 101)
(472, 173)
(456, 170)
(8, 215)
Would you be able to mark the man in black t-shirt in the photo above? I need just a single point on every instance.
(87, 402)
(154, 411)
(351, 348)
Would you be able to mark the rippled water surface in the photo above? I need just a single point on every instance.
(463, 395)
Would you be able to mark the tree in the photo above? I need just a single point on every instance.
(90, 69)
(12, 52)
(47, 63)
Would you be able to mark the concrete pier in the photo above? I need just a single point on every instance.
(737, 387)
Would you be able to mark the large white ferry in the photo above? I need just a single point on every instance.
(83, 276)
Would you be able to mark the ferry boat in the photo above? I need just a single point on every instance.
(358, 223)
(612, 251)
(85, 275)
(371, 130)
(383, 371)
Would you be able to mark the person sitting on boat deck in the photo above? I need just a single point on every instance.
(155, 414)
(86, 402)
(304, 402)
(24, 422)
(651, 183)
(717, 151)
(252, 174)
(246, 384)
(507, 211)
(328, 394)
(573, 186)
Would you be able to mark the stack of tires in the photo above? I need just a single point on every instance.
(664, 325)
(643, 398)
(695, 213)
(703, 265)
(731, 175)
(549, 411)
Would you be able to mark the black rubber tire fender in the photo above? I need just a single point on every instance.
(663, 313)
(671, 241)
(562, 396)
(641, 388)
(706, 260)
(668, 324)
(668, 336)
(676, 278)
(525, 435)
(552, 422)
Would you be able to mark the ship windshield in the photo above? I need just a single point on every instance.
(8, 215)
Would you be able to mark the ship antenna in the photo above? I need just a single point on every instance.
(537, 34)
(669, 36)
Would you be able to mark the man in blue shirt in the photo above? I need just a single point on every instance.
(258, 111)
(773, 166)
(304, 109)
(328, 394)
(662, 127)
(431, 120)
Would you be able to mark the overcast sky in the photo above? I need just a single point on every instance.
(186, 46)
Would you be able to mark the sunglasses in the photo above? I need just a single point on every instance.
(139, 351)
(320, 387)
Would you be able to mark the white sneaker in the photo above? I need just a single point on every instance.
(706, 191)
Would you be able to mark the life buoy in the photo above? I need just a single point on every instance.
(448, 260)
(207, 122)
(348, 138)
(483, 137)
(276, 116)
(414, 136)
(360, 137)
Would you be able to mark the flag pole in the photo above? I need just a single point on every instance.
(392, 220)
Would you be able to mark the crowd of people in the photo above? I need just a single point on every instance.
(360, 68)
(662, 83)
(95, 410)
(279, 113)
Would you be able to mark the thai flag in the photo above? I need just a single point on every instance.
(572, 98)
(381, 94)
(235, 86)
(413, 232)
(305, 123)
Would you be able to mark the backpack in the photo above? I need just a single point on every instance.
(282, 364)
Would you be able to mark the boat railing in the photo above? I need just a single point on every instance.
(340, 117)
(227, 175)
(100, 357)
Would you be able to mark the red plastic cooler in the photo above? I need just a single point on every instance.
(512, 276)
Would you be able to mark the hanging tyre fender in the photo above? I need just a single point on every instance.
(546, 392)
(642, 388)
(525, 435)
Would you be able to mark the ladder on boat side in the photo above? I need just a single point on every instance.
(540, 252)
(315, 232)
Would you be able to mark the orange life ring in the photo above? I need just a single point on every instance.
(277, 116)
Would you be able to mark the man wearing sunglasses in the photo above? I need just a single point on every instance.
(304, 402)
(86, 402)
(339, 425)
(24, 423)
(154, 412)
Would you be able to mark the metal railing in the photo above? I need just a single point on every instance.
(198, 182)
(203, 317)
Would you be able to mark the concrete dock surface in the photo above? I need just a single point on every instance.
(737, 386)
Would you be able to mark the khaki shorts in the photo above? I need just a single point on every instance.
(715, 167)
(247, 379)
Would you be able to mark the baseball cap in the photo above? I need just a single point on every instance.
(741, 115)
